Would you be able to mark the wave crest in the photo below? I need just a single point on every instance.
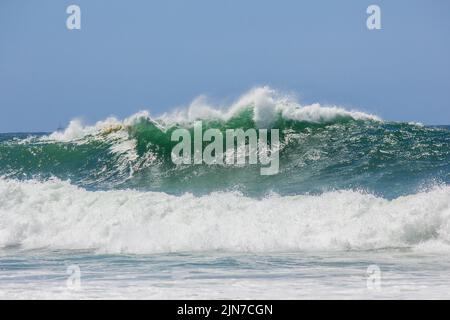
(266, 105)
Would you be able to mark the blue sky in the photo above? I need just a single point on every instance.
(156, 55)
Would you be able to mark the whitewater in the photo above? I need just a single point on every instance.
(353, 191)
(58, 215)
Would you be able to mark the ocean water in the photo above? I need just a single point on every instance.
(359, 209)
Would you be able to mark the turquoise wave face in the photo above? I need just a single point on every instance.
(387, 158)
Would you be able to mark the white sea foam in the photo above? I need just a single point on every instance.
(58, 215)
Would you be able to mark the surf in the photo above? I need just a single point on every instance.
(56, 215)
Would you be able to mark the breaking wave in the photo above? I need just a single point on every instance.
(57, 215)
(323, 148)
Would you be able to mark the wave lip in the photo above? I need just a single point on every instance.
(266, 105)
(57, 215)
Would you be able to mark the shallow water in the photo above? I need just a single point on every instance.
(302, 275)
